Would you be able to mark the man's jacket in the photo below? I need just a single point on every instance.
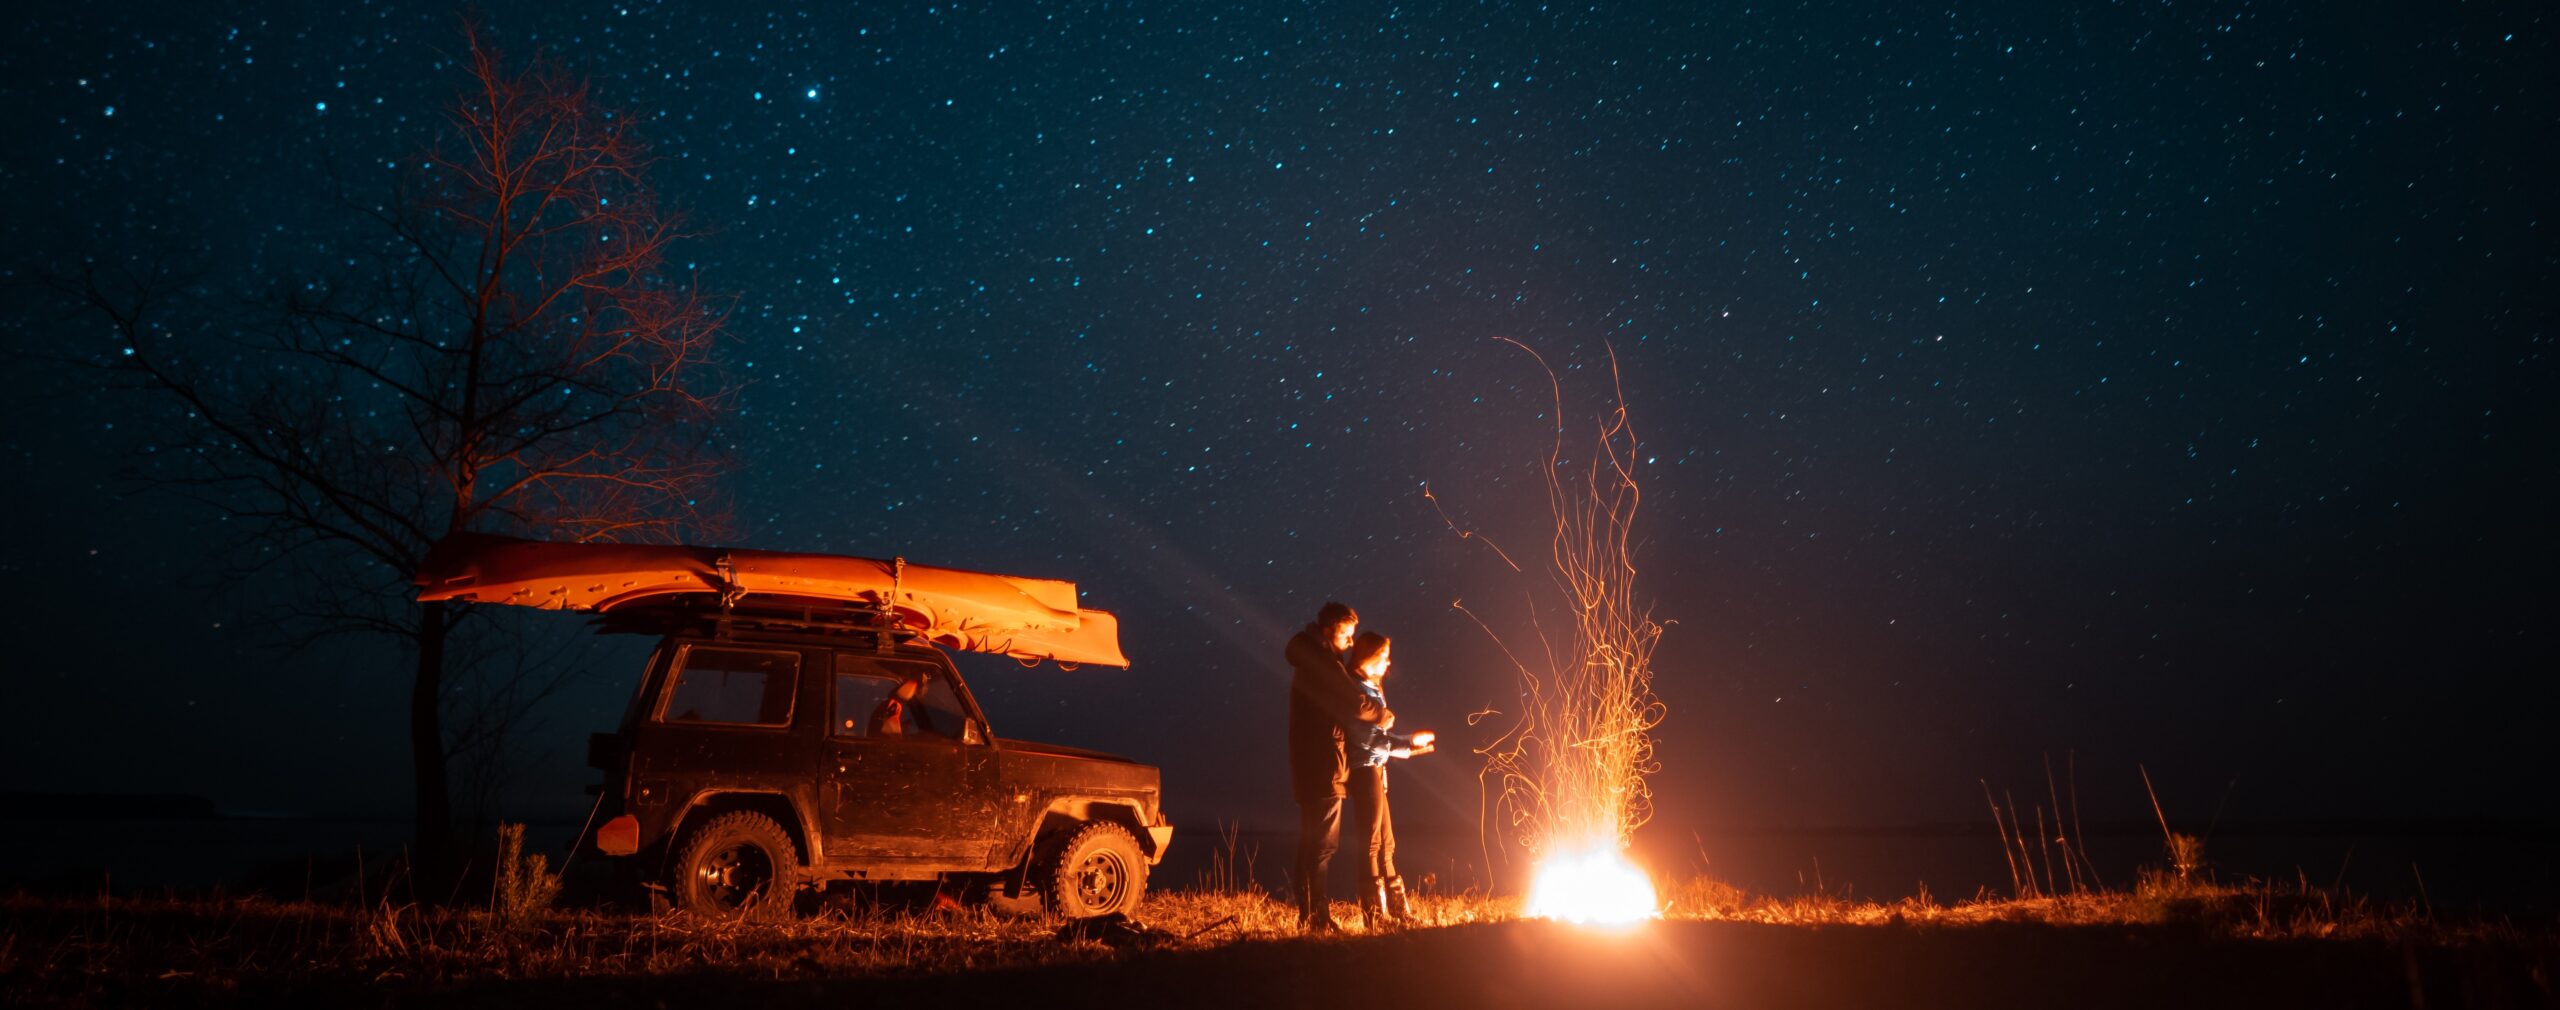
(1322, 699)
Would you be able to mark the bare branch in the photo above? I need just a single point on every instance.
(504, 352)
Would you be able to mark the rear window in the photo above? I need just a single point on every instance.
(733, 687)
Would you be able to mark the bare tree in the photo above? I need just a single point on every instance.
(509, 352)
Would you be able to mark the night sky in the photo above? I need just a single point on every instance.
(2132, 383)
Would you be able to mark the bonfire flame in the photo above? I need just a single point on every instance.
(1592, 886)
(1569, 777)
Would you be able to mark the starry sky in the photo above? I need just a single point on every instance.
(2152, 383)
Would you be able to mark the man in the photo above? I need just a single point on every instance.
(1322, 699)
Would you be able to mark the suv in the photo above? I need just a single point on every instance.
(800, 726)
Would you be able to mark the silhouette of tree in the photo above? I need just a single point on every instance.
(509, 352)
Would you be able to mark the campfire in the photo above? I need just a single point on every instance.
(1595, 886)
(1568, 778)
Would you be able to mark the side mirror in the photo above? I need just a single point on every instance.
(969, 733)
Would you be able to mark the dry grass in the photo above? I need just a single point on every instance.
(2255, 910)
(64, 947)
(98, 950)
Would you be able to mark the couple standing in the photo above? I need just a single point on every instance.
(1339, 741)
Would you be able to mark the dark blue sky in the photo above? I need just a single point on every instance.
(2151, 382)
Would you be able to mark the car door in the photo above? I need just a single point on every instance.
(914, 780)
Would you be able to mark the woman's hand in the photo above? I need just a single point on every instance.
(1422, 742)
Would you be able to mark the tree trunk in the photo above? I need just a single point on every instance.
(434, 802)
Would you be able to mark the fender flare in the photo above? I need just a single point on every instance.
(799, 823)
(1068, 808)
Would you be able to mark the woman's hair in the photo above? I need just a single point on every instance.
(1363, 648)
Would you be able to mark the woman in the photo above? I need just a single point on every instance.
(1368, 748)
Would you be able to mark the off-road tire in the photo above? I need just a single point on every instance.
(737, 865)
(1098, 870)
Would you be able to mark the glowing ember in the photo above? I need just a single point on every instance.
(1592, 886)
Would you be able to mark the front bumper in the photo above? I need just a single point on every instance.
(1159, 835)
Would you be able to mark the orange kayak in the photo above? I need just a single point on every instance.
(1027, 619)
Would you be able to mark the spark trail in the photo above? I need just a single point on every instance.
(1568, 780)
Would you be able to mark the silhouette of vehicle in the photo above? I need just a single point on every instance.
(801, 724)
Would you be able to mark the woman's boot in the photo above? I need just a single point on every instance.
(1373, 904)
(1399, 907)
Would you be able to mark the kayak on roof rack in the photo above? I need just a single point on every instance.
(1027, 619)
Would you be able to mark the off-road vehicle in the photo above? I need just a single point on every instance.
(800, 725)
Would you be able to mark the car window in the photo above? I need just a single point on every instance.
(867, 703)
(635, 710)
(740, 687)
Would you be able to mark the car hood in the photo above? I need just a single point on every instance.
(1063, 751)
(1052, 768)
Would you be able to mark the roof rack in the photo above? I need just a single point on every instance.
(709, 613)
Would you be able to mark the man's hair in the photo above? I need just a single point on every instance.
(1336, 614)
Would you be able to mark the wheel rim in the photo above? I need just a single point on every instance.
(736, 876)
(1100, 880)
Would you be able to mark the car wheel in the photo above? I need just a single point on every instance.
(736, 865)
(1097, 872)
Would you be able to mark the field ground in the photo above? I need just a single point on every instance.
(1716, 947)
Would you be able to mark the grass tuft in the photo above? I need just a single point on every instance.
(525, 886)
